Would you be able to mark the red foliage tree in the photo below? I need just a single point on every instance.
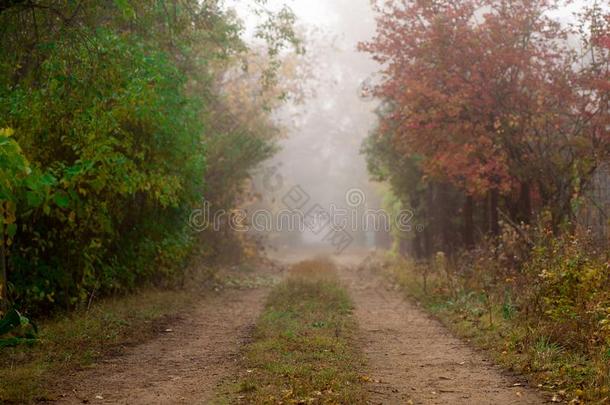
(486, 91)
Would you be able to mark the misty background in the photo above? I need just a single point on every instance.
(321, 150)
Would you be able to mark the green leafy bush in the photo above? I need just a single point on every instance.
(16, 329)
(121, 149)
(118, 129)
(571, 291)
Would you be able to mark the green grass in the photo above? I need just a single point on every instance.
(514, 343)
(303, 349)
(78, 339)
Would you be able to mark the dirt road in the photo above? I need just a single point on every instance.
(413, 359)
(184, 364)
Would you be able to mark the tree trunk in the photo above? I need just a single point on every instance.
(444, 212)
(428, 248)
(3, 278)
(525, 203)
(468, 223)
(418, 249)
(494, 226)
(430, 230)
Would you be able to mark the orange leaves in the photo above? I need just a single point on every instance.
(467, 167)
(486, 91)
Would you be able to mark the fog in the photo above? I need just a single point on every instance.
(320, 153)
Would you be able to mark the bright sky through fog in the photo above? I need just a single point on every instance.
(326, 14)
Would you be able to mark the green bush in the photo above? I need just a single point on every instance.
(116, 121)
(571, 291)
(121, 150)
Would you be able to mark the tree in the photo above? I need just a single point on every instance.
(486, 93)
(115, 106)
(14, 169)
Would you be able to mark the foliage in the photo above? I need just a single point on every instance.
(118, 150)
(114, 109)
(16, 329)
(487, 101)
(571, 292)
(435, 205)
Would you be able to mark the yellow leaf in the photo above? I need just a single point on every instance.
(6, 132)
(10, 218)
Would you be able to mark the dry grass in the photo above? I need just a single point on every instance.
(78, 339)
(304, 350)
(492, 324)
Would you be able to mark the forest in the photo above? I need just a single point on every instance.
(487, 120)
(115, 123)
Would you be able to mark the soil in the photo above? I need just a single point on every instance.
(413, 359)
(185, 364)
